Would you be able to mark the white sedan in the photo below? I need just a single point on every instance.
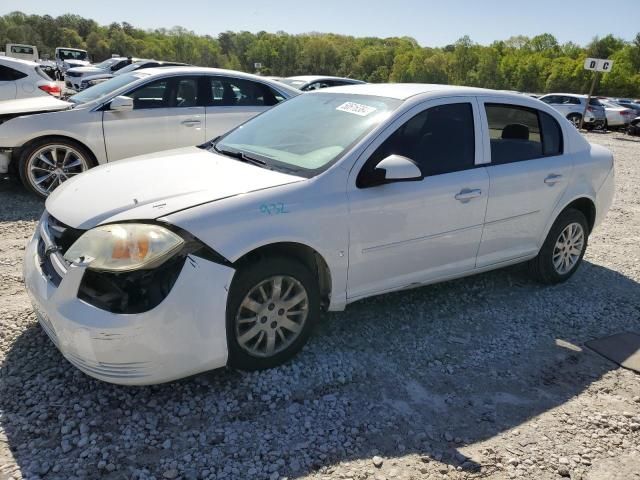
(24, 79)
(171, 264)
(131, 114)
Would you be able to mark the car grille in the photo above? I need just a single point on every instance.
(62, 237)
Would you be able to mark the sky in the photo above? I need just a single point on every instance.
(431, 23)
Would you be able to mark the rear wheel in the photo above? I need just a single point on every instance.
(47, 163)
(272, 307)
(563, 249)
(575, 118)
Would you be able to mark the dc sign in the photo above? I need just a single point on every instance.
(598, 65)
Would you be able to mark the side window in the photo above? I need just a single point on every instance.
(520, 133)
(573, 100)
(552, 142)
(186, 93)
(236, 92)
(440, 140)
(152, 95)
(9, 74)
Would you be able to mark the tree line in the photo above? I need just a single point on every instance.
(538, 64)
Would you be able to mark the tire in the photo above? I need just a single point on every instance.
(542, 267)
(47, 157)
(263, 320)
(575, 118)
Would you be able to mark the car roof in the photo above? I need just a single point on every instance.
(315, 78)
(190, 70)
(577, 95)
(17, 62)
(403, 91)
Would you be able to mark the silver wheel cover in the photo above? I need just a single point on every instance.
(271, 316)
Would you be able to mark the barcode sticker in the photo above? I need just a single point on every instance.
(356, 108)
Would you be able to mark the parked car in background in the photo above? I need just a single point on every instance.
(91, 80)
(138, 112)
(618, 116)
(73, 77)
(307, 83)
(572, 106)
(634, 127)
(631, 105)
(23, 79)
(67, 58)
(227, 254)
(23, 52)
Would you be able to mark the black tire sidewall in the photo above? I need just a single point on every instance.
(30, 149)
(547, 272)
(243, 281)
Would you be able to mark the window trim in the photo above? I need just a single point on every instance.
(502, 103)
(380, 137)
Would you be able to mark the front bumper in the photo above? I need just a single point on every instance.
(185, 334)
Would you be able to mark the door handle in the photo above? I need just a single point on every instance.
(552, 179)
(191, 123)
(467, 194)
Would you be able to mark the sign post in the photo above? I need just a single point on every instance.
(596, 65)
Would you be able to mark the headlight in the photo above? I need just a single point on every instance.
(124, 247)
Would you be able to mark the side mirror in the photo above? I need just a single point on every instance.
(396, 168)
(121, 104)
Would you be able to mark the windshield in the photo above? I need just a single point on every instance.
(105, 88)
(72, 54)
(294, 83)
(307, 133)
(130, 68)
(107, 63)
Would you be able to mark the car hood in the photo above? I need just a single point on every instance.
(155, 185)
(33, 105)
(85, 70)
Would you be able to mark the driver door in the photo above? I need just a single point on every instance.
(167, 113)
(414, 232)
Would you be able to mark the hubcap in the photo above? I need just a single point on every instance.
(568, 248)
(271, 316)
(576, 121)
(52, 165)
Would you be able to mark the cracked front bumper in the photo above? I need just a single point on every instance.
(185, 334)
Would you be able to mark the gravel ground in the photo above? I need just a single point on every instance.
(485, 377)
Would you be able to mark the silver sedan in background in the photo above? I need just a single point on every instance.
(132, 114)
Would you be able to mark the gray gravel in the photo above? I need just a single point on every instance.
(484, 377)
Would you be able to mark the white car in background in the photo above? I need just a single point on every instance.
(67, 58)
(572, 106)
(618, 116)
(24, 79)
(308, 83)
(174, 263)
(131, 114)
(73, 77)
(91, 80)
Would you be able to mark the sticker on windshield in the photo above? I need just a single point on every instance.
(356, 108)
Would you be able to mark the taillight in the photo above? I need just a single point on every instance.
(626, 112)
(51, 89)
(590, 109)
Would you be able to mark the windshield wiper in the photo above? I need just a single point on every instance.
(242, 156)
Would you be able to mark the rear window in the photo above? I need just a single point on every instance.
(595, 102)
(41, 73)
(21, 50)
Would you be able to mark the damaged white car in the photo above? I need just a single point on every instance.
(163, 266)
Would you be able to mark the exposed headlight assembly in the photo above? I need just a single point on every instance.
(124, 247)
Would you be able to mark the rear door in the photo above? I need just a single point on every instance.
(167, 113)
(232, 101)
(528, 175)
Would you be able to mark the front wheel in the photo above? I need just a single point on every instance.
(563, 249)
(47, 163)
(272, 307)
